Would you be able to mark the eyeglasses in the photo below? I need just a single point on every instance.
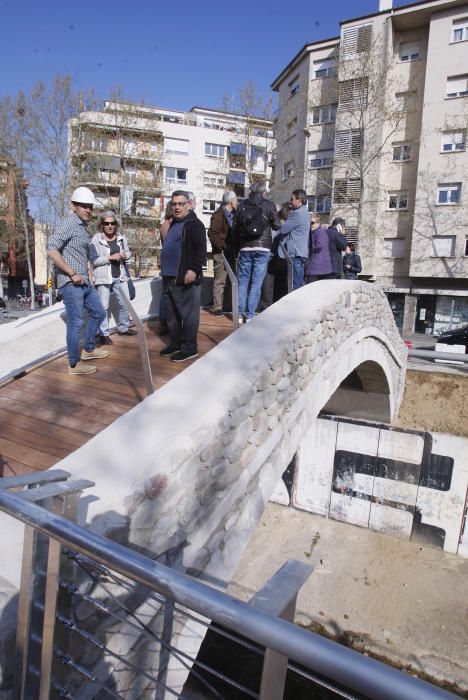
(109, 223)
(179, 204)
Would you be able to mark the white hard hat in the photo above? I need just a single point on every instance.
(83, 195)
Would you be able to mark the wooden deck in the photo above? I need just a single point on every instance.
(48, 413)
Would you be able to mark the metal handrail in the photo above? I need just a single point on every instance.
(344, 666)
(290, 265)
(142, 345)
(234, 293)
(437, 355)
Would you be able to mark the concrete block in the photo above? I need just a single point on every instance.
(314, 467)
(391, 521)
(349, 509)
(403, 447)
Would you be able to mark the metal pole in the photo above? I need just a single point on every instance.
(290, 267)
(340, 664)
(235, 293)
(141, 342)
(436, 355)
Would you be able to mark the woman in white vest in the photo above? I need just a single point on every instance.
(109, 253)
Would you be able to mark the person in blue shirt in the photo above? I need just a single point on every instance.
(294, 235)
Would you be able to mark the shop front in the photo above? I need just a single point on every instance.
(438, 313)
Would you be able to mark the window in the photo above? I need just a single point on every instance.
(405, 101)
(397, 201)
(401, 152)
(409, 51)
(320, 203)
(325, 68)
(466, 247)
(460, 30)
(356, 39)
(293, 86)
(214, 180)
(176, 146)
(352, 234)
(443, 246)
(236, 177)
(258, 158)
(457, 86)
(210, 205)
(324, 115)
(321, 159)
(291, 127)
(215, 150)
(288, 170)
(348, 143)
(394, 248)
(449, 193)
(176, 175)
(353, 93)
(453, 141)
(347, 191)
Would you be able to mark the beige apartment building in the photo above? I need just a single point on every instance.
(372, 124)
(134, 156)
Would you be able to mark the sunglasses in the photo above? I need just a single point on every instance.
(109, 223)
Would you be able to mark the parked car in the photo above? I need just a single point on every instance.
(456, 336)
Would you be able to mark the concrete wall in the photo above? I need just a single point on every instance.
(403, 483)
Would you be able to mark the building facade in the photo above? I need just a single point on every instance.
(372, 124)
(133, 157)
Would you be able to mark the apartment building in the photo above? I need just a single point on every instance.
(372, 124)
(134, 156)
(14, 277)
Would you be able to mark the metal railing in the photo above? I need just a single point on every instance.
(142, 344)
(110, 564)
(234, 293)
(437, 355)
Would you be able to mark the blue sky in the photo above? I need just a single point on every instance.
(173, 55)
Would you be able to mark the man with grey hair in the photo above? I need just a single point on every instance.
(220, 235)
(255, 219)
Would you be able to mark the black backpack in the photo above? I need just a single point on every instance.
(250, 222)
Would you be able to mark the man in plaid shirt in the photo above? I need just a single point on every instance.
(68, 248)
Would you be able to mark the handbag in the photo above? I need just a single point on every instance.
(131, 286)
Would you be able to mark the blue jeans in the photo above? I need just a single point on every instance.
(76, 299)
(105, 291)
(298, 271)
(251, 270)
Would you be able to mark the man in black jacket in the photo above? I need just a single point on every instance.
(337, 243)
(182, 259)
(254, 249)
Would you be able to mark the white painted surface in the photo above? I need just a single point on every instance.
(456, 349)
(350, 509)
(357, 438)
(314, 467)
(403, 447)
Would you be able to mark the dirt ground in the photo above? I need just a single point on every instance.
(435, 401)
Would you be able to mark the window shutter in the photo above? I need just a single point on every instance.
(356, 39)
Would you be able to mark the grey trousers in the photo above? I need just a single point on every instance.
(219, 283)
(183, 313)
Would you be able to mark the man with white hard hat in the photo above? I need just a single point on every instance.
(68, 248)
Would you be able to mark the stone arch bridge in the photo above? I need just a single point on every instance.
(186, 473)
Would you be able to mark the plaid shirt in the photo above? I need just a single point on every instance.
(72, 240)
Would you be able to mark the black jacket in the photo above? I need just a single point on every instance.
(272, 221)
(337, 243)
(193, 252)
(354, 261)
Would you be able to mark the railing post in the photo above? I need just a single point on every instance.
(141, 342)
(278, 597)
(290, 265)
(235, 293)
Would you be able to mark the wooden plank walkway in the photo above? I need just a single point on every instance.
(48, 413)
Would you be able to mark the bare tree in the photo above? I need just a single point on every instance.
(255, 142)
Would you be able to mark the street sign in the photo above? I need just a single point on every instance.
(24, 284)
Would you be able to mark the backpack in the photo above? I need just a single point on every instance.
(250, 222)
